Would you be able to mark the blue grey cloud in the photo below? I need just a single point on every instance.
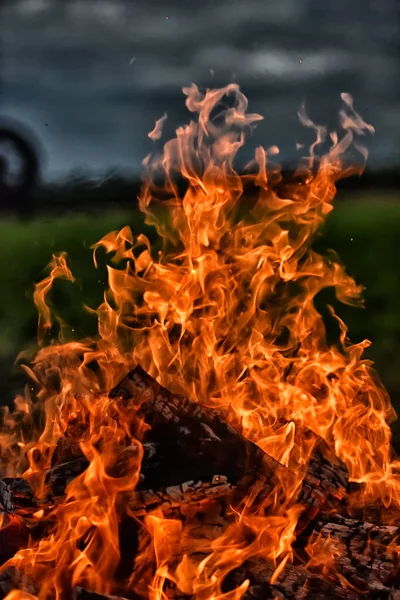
(92, 76)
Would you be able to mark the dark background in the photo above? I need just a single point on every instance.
(88, 79)
(92, 76)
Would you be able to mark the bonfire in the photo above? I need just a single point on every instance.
(209, 443)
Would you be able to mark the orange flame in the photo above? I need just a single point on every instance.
(225, 314)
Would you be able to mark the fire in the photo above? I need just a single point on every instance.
(224, 313)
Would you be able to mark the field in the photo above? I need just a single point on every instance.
(363, 229)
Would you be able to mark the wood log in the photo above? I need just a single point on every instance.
(190, 455)
(364, 564)
(189, 431)
(189, 452)
(17, 497)
(368, 554)
(324, 488)
(194, 442)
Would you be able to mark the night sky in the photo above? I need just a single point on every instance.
(90, 77)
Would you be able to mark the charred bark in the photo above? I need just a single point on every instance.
(195, 438)
(194, 443)
(368, 554)
(364, 564)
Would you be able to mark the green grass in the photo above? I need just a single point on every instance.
(366, 234)
(365, 231)
(26, 249)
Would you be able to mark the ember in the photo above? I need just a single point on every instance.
(209, 443)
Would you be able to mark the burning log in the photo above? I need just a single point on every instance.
(358, 560)
(199, 455)
(190, 455)
(196, 441)
(235, 460)
(17, 497)
(338, 558)
(195, 437)
(365, 554)
(324, 486)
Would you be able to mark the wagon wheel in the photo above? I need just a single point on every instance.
(19, 170)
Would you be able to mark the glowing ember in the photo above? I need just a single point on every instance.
(224, 314)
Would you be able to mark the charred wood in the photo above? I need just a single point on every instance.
(199, 442)
(194, 442)
(324, 488)
(190, 455)
(367, 555)
(361, 561)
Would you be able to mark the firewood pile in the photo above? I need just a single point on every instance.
(199, 470)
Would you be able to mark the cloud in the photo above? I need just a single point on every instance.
(70, 64)
(33, 7)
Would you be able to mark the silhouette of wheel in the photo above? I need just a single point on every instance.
(19, 168)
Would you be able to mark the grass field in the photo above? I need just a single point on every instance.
(364, 230)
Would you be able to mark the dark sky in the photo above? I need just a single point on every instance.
(92, 76)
